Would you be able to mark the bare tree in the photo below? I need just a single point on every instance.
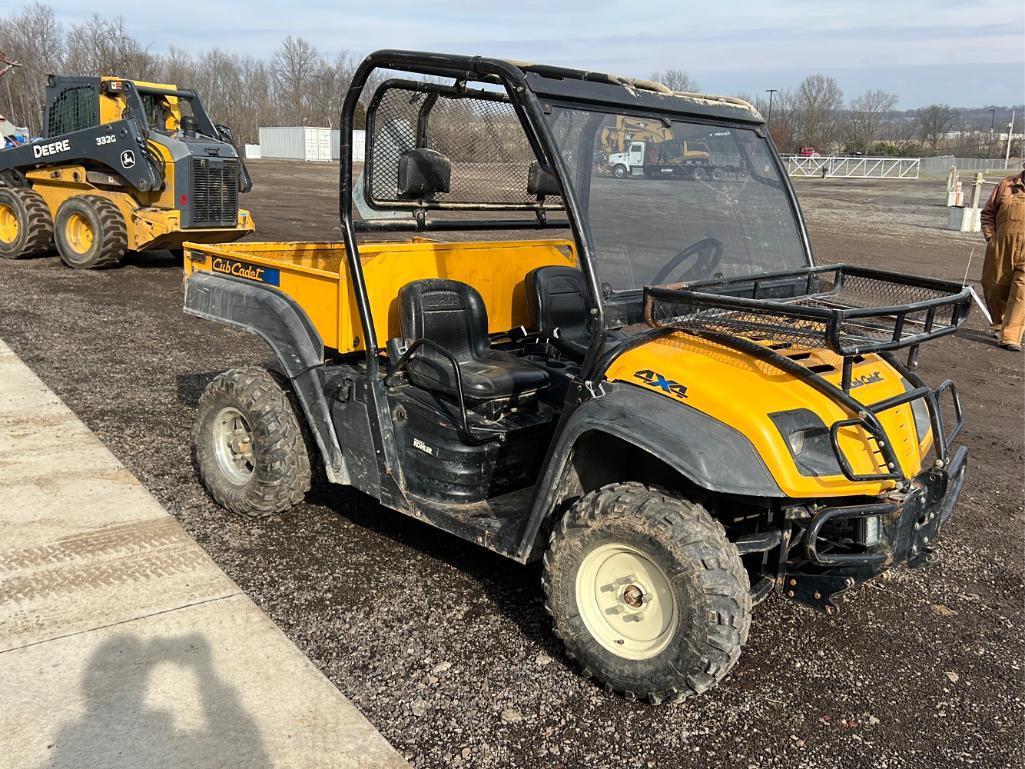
(817, 103)
(36, 40)
(295, 65)
(675, 80)
(780, 120)
(104, 47)
(865, 117)
(934, 123)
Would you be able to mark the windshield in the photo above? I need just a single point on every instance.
(674, 201)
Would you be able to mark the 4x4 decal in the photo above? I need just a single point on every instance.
(656, 380)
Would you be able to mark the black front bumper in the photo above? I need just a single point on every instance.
(907, 527)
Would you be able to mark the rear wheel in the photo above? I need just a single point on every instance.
(647, 593)
(716, 175)
(250, 449)
(90, 232)
(26, 228)
(698, 173)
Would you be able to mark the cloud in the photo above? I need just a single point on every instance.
(921, 49)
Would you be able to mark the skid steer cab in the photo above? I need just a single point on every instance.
(123, 166)
(658, 394)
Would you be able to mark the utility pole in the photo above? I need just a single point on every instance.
(768, 119)
(1010, 136)
(992, 118)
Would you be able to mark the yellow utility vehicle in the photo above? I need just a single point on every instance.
(124, 166)
(663, 398)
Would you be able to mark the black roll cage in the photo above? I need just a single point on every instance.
(523, 83)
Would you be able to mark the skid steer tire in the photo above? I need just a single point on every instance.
(90, 233)
(26, 228)
(646, 592)
(249, 405)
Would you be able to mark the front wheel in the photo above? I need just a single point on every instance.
(620, 172)
(250, 449)
(647, 593)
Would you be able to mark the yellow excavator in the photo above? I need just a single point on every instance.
(122, 166)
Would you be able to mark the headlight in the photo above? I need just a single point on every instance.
(807, 437)
(920, 411)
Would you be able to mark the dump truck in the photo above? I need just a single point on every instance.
(122, 166)
(660, 397)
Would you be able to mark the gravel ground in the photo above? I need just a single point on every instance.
(447, 649)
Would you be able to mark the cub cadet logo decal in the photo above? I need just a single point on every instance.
(865, 379)
(42, 150)
(656, 380)
(248, 271)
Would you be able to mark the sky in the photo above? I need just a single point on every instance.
(966, 53)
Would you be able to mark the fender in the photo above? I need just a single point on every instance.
(279, 320)
(704, 450)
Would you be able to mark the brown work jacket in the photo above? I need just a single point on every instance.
(1009, 188)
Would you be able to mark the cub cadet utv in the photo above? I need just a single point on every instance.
(123, 166)
(672, 407)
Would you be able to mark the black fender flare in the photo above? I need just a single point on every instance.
(709, 453)
(286, 328)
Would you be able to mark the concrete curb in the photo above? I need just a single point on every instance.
(121, 643)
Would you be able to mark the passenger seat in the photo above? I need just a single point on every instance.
(452, 315)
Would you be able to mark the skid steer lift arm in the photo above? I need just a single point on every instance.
(118, 147)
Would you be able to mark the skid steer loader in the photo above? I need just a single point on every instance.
(122, 166)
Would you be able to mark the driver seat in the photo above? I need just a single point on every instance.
(452, 315)
(555, 297)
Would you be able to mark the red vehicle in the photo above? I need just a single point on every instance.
(808, 152)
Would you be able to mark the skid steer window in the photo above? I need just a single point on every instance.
(699, 201)
(72, 110)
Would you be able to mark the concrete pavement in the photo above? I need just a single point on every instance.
(121, 643)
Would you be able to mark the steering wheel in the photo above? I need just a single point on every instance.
(707, 254)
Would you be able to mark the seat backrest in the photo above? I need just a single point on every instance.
(447, 312)
(555, 296)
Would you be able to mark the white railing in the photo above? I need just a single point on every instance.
(853, 167)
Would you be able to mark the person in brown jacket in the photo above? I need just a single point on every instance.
(1003, 272)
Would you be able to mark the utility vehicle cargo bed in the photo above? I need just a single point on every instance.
(317, 277)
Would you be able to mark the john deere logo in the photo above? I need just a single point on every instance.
(127, 159)
(657, 381)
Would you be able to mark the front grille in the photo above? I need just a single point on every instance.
(214, 198)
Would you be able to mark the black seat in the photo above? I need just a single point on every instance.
(452, 314)
(555, 296)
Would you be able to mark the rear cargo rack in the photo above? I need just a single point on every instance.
(851, 310)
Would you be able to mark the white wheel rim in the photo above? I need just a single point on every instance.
(626, 601)
(233, 445)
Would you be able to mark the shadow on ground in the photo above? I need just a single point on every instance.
(136, 715)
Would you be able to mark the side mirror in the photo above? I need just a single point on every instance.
(423, 172)
(541, 182)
